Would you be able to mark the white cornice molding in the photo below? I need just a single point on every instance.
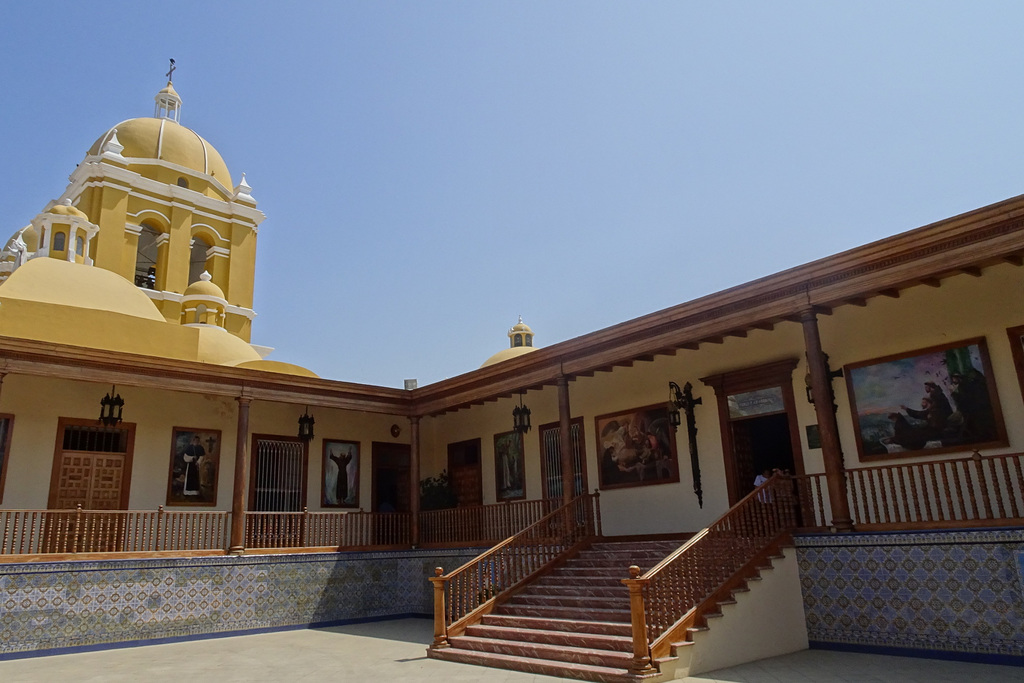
(93, 167)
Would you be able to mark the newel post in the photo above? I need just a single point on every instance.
(440, 628)
(641, 649)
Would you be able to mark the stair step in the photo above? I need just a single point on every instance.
(557, 653)
(610, 628)
(584, 672)
(615, 592)
(593, 641)
(577, 601)
(575, 613)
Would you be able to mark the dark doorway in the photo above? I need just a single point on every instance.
(465, 473)
(390, 477)
(761, 443)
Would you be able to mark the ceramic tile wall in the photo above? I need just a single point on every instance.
(57, 605)
(945, 592)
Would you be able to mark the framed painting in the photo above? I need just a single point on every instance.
(509, 482)
(936, 400)
(195, 466)
(340, 488)
(637, 448)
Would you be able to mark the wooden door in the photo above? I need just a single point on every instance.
(390, 477)
(91, 465)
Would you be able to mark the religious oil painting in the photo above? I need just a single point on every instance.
(341, 474)
(936, 400)
(508, 466)
(637, 448)
(195, 464)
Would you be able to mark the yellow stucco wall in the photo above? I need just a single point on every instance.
(964, 307)
(38, 403)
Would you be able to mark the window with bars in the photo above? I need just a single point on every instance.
(552, 458)
(279, 475)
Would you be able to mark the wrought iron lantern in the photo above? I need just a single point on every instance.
(111, 407)
(521, 417)
(306, 423)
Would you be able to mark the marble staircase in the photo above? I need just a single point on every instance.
(573, 622)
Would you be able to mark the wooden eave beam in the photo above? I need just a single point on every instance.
(19, 356)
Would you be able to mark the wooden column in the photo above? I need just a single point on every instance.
(237, 546)
(565, 439)
(832, 452)
(414, 475)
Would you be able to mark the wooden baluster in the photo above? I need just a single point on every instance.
(913, 493)
(1020, 476)
(1008, 481)
(305, 526)
(996, 483)
(160, 522)
(982, 484)
(960, 488)
(950, 511)
(892, 511)
(938, 491)
(641, 663)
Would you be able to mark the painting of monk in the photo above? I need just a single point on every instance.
(195, 464)
(508, 466)
(936, 400)
(340, 474)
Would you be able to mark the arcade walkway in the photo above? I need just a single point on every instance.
(394, 651)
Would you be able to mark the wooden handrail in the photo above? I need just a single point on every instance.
(692, 577)
(467, 593)
(961, 492)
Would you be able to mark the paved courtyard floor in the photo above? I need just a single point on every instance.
(394, 651)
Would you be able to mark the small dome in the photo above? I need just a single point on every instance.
(520, 339)
(65, 209)
(166, 140)
(204, 287)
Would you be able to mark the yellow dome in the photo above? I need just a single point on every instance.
(51, 281)
(520, 327)
(203, 287)
(167, 140)
(506, 354)
(218, 346)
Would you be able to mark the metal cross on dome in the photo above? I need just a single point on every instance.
(170, 73)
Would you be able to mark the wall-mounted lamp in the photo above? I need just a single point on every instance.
(110, 408)
(680, 398)
(521, 417)
(831, 374)
(683, 399)
(306, 423)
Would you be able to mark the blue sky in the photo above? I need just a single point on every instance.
(432, 170)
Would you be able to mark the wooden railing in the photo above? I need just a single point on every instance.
(482, 524)
(963, 492)
(32, 532)
(462, 596)
(376, 529)
(670, 597)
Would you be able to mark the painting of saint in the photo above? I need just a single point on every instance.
(195, 463)
(340, 474)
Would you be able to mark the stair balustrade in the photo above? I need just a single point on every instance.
(461, 597)
(674, 594)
